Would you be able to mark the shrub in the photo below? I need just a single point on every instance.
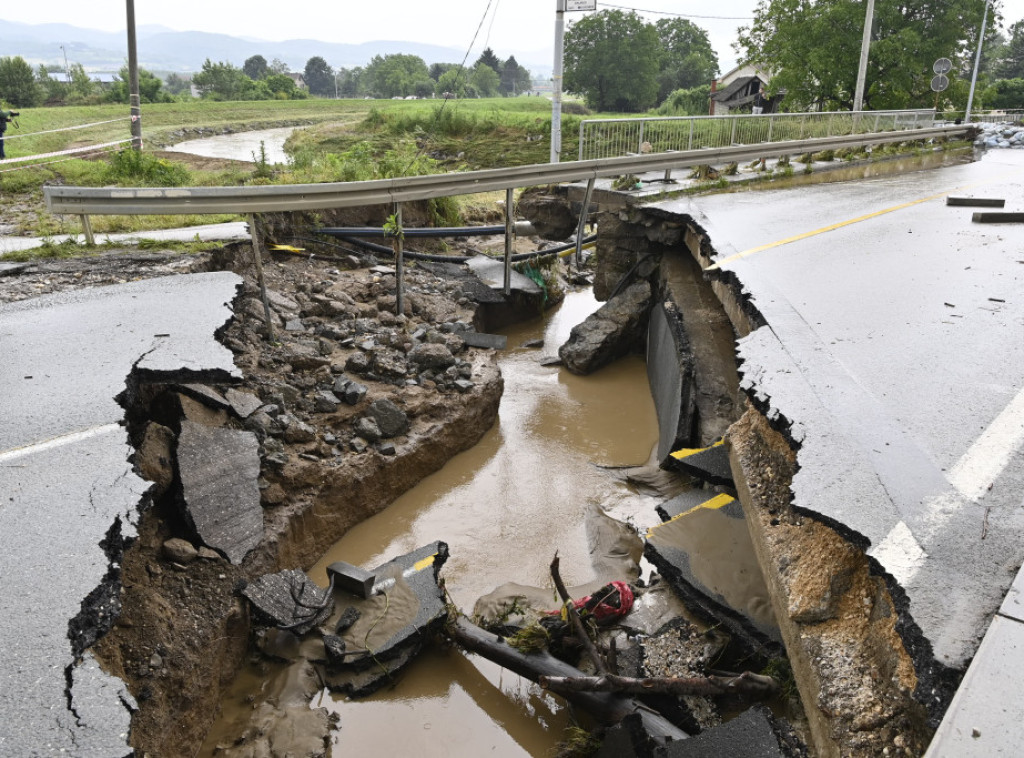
(142, 168)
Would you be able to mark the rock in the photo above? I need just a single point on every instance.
(325, 402)
(367, 429)
(304, 357)
(208, 555)
(430, 356)
(614, 330)
(180, 551)
(387, 448)
(274, 495)
(389, 364)
(296, 431)
(335, 649)
(550, 214)
(355, 392)
(219, 469)
(391, 420)
(154, 458)
(244, 404)
(358, 445)
(341, 383)
(464, 385)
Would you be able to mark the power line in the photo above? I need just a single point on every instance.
(676, 15)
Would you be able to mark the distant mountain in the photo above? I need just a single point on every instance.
(165, 50)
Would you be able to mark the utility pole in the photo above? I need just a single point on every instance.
(133, 79)
(67, 68)
(977, 63)
(556, 82)
(862, 69)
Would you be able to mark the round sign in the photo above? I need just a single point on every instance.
(941, 66)
(939, 82)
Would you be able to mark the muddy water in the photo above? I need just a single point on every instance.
(241, 146)
(504, 507)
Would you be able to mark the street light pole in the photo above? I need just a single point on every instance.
(556, 82)
(862, 68)
(977, 63)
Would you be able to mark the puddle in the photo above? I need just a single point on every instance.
(240, 146)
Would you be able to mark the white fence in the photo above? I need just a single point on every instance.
(607, 138)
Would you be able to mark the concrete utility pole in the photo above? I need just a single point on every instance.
(556, 82)
(133, 79)
(977, 63)
(862, 69)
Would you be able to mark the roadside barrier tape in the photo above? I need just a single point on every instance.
(58, 160)
(71, 151)
(65, 128)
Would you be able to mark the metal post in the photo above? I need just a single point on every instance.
(584, 212)
(556, 82)
(640, 142)
(133, 79)
(689, 146)
(509, 235)
(257, 253)
(581, 139)
(732, 138)
(771, 123)
(977, 62)
(399, 264)
(862, 68)
(87, 230)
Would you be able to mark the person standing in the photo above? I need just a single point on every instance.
(5, 118)
(759, 101)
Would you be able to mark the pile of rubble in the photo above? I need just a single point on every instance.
(1000, 135)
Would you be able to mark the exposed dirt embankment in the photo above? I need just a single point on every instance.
(351, 406)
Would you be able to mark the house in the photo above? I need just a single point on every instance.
(299, 79)
(737, 89)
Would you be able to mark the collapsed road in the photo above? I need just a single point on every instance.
(763, 460)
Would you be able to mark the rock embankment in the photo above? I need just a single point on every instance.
(1000, 136)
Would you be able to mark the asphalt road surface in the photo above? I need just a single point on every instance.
(895, 348)
(65, 485)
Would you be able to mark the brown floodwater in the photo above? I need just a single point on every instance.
(504, 508)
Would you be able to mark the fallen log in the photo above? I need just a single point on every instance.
(577, 622)
(607, 708)
(745, 684)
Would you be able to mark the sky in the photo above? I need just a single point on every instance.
(524, 28)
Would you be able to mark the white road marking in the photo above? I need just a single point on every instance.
(900, 552)
(67, 439)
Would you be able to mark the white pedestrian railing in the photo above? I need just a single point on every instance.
(608, 138)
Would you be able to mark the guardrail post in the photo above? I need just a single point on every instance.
(399, 264)
(877, 116)
(257, 253)
(689, 145)
(771, 125)
(732, 138)
(87, 230)
(509, 232)
(640, 142)
(582, 123)
(584, 212)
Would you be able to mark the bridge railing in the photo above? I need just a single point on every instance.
(608, 138)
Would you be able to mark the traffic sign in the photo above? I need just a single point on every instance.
(581, 5)
(939, 82)
(941, 66)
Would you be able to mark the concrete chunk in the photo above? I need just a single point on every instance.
(244, 404)
(219, 469)
(351, 578)
(749, 735)
(290, 600)
(480, 339)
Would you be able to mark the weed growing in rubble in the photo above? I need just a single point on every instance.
(577, 743)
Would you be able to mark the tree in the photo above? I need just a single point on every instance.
(350, 82)
(485, 80)
(813, 48)
(319, 77)
(687, 58)
(222, 81)
(282, 87)
(515, 79)
(453, 82)
(149, 88)
(611, 58)
(438, 69)
(278, 66)
(53, 91)
(256, 67)
(488, 58)
(1005, 94)
(17, 83)
(396, 75)
(177, 85)
(1011, 65)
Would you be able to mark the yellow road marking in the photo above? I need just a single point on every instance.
(796, 238)
(688, 451)
(719, 501)
(425, 563)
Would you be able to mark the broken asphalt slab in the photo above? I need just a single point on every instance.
(708, 464)
(68, 487)
(706, 555)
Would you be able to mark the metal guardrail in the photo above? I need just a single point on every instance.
(299, 197)
(993, 116)
(605, 138)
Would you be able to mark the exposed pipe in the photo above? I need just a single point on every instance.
(522, 229)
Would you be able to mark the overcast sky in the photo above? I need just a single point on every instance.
(524, 28)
